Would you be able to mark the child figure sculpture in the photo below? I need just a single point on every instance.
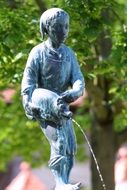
(52, 79)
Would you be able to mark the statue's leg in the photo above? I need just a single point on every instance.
(58, 142)
(68, 166)
(63, 145)
(70, 152)
(71, 148)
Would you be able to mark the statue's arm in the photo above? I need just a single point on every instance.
(77, 82)
(29, 82)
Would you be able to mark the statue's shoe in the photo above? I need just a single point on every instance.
(69, 187)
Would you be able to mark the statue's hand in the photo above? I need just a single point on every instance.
(28, 111)
(69, 96)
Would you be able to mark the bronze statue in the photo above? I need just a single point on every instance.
(52, 79)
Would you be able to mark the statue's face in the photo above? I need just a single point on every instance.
(58, 30)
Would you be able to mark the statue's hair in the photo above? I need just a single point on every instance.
(48, 16)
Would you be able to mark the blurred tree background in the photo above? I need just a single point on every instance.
(98, 34)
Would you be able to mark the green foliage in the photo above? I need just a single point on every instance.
(17, 29)
(84, 122)
(120, 123)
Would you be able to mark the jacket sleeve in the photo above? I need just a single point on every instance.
(30, 77)
(77, 79)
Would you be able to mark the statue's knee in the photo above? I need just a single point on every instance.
(57, 161)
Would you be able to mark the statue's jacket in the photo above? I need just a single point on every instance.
(52, 70)
(55, 71)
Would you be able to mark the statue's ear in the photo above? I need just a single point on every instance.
(43, 30)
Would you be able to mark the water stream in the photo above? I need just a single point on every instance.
(94, 157)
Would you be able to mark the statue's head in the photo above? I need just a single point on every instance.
(55, 23)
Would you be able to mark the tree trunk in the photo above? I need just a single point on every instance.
(102, 133)
(102, 140)
(42, 5)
